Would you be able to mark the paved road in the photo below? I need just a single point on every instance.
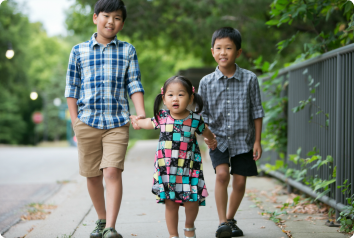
(31, 175)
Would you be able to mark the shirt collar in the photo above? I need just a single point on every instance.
(94, 42)
(237, 74)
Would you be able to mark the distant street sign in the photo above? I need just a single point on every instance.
(37, 117)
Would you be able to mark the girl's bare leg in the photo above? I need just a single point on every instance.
(191, 209)
(171, 215)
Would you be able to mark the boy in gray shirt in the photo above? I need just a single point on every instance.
(233, 111)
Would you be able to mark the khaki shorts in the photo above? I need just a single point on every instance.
(99, 148)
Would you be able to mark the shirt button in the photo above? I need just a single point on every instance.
(228, 126)
(227, 88)
(228, 114)
(228, 138)
(228, 101)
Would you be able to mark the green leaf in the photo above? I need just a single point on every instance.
(296, 200)
(310, 153)
(272, 22)
(324, 184)
(329, 158)
(334, 175)
(348, 7)
(265, 67)
(305, 71)
(322, 194)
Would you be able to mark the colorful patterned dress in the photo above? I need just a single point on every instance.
(178, 171)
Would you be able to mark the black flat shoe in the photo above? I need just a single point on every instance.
(223, 231)
(236, 231)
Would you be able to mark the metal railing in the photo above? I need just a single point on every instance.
(334, 95)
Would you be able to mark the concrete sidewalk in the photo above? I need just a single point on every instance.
(140, 215)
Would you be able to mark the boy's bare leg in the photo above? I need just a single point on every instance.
(191, 209)
(238, 191)
(96, 191)
(171, 215)
(114, 191)
(221, 183)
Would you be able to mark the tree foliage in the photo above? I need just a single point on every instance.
(39, 65)
(329, 22)
(189, 25)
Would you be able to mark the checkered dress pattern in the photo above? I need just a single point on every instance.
(230, 107)
(178, 174)
(100, 77)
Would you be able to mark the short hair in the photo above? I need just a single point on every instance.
(229, 32)
(110, 6)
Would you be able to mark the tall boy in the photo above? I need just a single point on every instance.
(233, 111)
(101, 72)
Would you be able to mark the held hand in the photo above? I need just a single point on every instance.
(134, 120)
(212, 144)
(257, 151)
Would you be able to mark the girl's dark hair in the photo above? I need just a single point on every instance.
(188, 86)
(110, 6)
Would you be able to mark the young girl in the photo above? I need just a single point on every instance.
(178, 176)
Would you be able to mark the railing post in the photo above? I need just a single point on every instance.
(338, 134)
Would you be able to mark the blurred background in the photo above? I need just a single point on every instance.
(171, 37)
(174, 37)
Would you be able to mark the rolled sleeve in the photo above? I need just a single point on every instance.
(202, 93)
(73, 76)
(256, 101)
(133, 76)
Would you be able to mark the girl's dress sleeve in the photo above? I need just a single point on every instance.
(201, 126)
(157, 121)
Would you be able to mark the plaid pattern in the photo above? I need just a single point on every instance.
(100, 78)
(178, 171)
(230, 107)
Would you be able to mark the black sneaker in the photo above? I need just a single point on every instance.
(97, 232)
(236, 231)
(223, 231)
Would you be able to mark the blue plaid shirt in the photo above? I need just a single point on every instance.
(100, 78)
(230, 107)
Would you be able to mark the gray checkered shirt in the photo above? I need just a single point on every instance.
(230, 107)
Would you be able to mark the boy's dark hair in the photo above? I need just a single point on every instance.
(110, 6)
(188, 86)
(225, 32)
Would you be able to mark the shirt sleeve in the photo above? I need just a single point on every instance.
(133, 77)
(201, 126)
(255, 99)
(73, 76)
(203, 93)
